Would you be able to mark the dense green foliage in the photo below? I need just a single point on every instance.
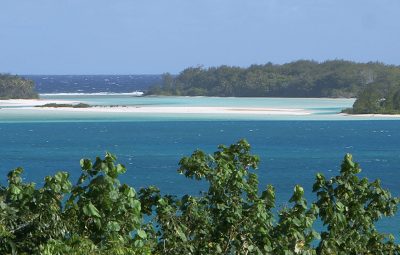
(14, 87)
(379, 98)
(337, 78)
(99, 215)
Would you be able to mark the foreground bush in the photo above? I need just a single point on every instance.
(99, 215)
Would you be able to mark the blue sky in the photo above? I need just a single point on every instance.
(156, 36)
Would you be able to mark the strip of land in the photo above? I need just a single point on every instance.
(371, 115)
(185, 110)
(32, 104)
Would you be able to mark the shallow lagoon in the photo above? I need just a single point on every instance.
(320, 109)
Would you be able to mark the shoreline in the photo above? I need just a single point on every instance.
(174, 96)
(371, 115)
(179, 110)
(31, 104)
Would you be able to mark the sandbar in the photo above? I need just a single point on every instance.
(32, 102)
(180, 110)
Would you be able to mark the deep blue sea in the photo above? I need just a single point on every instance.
(93, 83)
(291, 152)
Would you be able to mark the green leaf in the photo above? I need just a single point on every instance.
(121, 169)
(15, 190)
(130, 192)
(90, 210)
(142, 234)
(114, 195)
(135, 204)
(219, 249)
(296, 222)
(113, 226)
(181, 235)
(86, 164)
(316, 235)
(349, 160)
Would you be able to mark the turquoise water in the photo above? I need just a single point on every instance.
(320, 109)
(291, 151)
(307, 103)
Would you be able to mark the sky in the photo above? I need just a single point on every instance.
(158, 36)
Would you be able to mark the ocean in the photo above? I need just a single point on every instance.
(292, 149)
(93, 83)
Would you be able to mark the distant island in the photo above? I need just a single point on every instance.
(376, 85)
(15, 87)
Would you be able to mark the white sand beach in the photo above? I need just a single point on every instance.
(180, 110)
(25, 105)
(32, 102)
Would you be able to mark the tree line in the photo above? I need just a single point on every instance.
(100, 215)
(303, 78)
(15, 87)
(375, 85)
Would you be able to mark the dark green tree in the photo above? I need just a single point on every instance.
(303, 78)
(14, 87)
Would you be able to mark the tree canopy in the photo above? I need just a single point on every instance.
(303, 78)
(380, 98)
(100, 215)
(15, 87)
